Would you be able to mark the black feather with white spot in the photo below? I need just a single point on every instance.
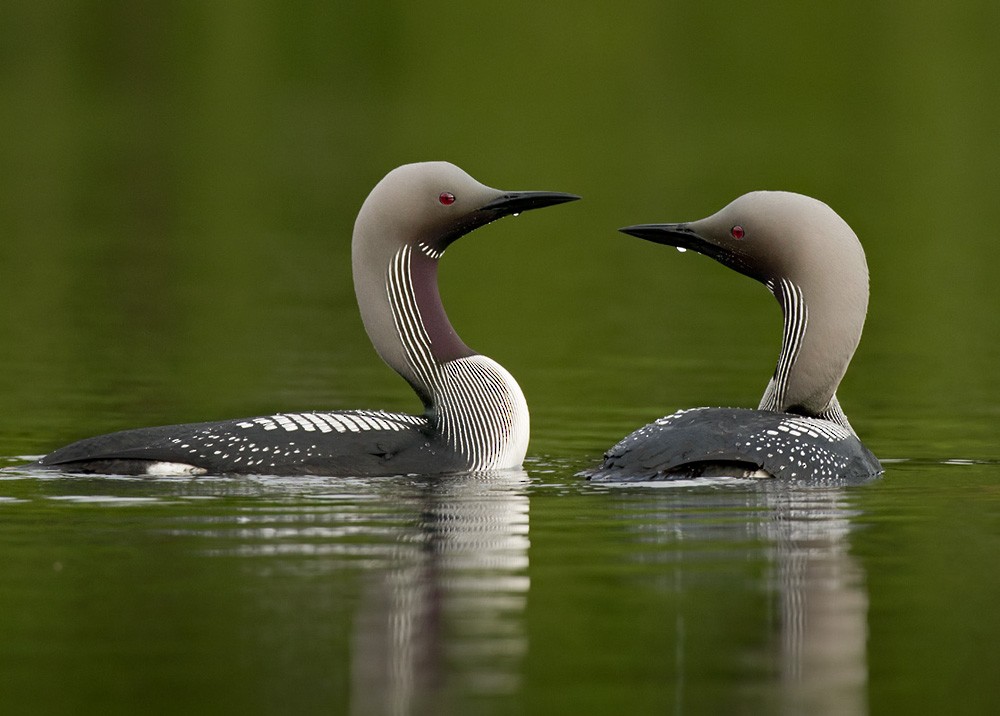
(355, 442)
(740, 442)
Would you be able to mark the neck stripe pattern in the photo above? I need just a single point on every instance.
(476, 405)
(796, 321)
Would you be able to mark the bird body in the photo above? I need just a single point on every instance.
(475, 415)
(814, 265)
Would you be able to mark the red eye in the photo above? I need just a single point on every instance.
(737, 232)
(447, 198)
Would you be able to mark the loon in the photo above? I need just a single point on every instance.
(475, 415)
(813, 264)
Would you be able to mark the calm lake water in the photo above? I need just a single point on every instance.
(177, 189)
(521, 592)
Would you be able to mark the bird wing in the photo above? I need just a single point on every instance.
(356, 442)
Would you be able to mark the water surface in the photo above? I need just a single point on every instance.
(521, 591)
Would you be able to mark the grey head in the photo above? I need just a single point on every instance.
(813, 263)
(402, 230)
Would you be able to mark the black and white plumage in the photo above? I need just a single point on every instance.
(475, 415)
(813, 264)
(741, 443)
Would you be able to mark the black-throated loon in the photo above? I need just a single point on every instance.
(475, 414)
(813, 264)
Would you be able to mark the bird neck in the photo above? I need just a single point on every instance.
(470, 400)
(481, 412)
(820, 334)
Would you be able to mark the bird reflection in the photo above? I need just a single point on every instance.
(823, 603)
(449, 619)
(816, 653)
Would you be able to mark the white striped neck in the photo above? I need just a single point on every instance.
(470, 400)
(481, 412)
(805, 386)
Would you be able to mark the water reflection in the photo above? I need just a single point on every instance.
(448, 620)
(380, 596)
(814, 650)
(823, 633)
(440, 577)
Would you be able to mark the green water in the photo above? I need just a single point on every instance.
(178, 184)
